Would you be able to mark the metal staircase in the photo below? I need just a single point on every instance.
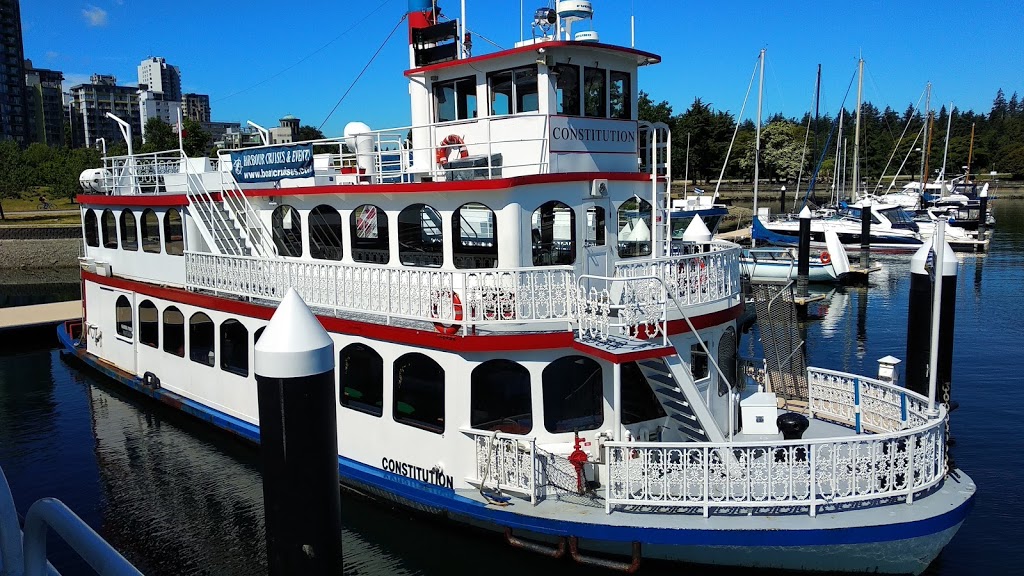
(673, 400)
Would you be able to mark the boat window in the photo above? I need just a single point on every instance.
(150, 231)
(620, 95)
(361, 379)
(149, 324)
(553, 234)
(325, 233)
(500, 397)
(595, 226)
(368, 226)
(856, 213)
(123, 316)
(699, 361)
(639, 404)
(594, 92)
(455, 99)
(174, 239)
(200, 339)
(526, 90)
(634, 228)
(727, 361)
(174, 331)
(234, 347)
(573, 398)
(475, 233)
(420, 236)
(898, 216)
(109, 229)
(129, 231)
(286, 226)
(567, 89)
(514, 91)
(419, 392)
(92, 232)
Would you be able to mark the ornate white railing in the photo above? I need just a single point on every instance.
(635, 306)
(871, 468)
(697, 278)
(140, 173)
(505, 462)
(865, 403)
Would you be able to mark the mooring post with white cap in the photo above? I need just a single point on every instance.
(803, 267)
(982, 216)
(294, 367)
(865, 234)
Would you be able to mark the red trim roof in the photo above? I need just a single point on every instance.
(153, 200)
(642, 56)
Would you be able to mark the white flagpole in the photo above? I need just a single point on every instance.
(181, 138)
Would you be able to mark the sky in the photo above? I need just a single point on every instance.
(262, 59)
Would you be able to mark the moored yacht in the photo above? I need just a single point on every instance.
(892, 228)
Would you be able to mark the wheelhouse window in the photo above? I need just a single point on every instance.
(634, 228)
(234, 347)
(620, 95)
(368, 225)
(514, 91)
(129, 231)
(174, 238)
(109, 229)
(595, 226)
(475, 233)
(699, 362)
(594, 92)
(174, 331)
(639, 404)
(419, 392)
(123, 317)
(361, 379)
(200, 339)
(554, 234)
(420, 236)
(500, 397)
(150, 231)
(325, 233)
(455, 99)
(92, 231)
(286, 228)
(573, 398)
(567, 89)
(149, 324)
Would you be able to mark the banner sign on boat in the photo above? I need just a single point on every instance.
(274, 163)
(592, 135)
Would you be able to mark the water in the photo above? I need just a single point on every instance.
(176, 497)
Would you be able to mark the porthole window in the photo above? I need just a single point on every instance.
(286, 227)
(174, 331)
(419, 392)
(174, 239)
(361, 379)
(325, 233)
(234, 347)
(92, 232)
(149, 324)
(634, 228)
(123, 317)
(129, 231)
(150, 232)
(420, 237)
(500, 397)
(109, 229)
(369, 230)
(573, 394)
(475, 236)
(554, 235)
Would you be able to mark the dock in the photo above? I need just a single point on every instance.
(735, 235)
(39, 315)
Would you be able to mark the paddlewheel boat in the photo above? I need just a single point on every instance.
(521, 343)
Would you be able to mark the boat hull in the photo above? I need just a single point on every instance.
(788, 234)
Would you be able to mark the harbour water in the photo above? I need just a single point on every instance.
(177, 497)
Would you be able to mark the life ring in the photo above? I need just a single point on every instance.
(825, 257)
(444, 148)
(446, 329)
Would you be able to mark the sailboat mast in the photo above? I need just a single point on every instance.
(970, 156)
(927, 136)
(757, 137)
(817, 102)
(945, 152)
(856, 130)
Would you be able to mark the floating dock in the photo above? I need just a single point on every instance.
(39, 315)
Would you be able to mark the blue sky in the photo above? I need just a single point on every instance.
(261, 59)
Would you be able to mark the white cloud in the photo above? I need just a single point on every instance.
(52, 54)
(95, 16)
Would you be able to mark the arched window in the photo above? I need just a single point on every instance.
(325, 233)
(174, 239)
(634, 228)
(475, 236)
(554, 234)
(149, 324)
(174, 331)
(150, 231)
(573, 394)
(286, 225)
(200, 339)
(420, 236)
(129, 231)
(500, 397)
(123, 316)
(234, 347)
(727, 361)
(92, 231)
(361, 379)
(369, 228)
(109, 229)
(419, 392)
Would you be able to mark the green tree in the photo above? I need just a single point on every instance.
(648, 111)
(309, 133)
(10, 160)
(197, 141)
(160, 136)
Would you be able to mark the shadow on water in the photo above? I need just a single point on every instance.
(38, 293)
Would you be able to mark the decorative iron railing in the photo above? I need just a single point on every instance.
(697, 278)
(505, 462)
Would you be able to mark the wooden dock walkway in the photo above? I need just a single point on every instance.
(39, 315)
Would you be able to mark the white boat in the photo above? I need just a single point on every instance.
(518, 347)
(781, 264)
(892, 228)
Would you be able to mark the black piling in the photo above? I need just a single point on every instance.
(803, 267)
(865, 234)
(294, 367)
(919, 322)
(982, 216)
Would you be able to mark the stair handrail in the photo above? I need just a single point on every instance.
(234, 197)
(200, 198)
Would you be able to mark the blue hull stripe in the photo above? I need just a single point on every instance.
(429, 495)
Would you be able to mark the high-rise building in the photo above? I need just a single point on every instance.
(157, 75)
(90, 104)
(196, 107)
(13, 121)
(44, 103)
(156, 105)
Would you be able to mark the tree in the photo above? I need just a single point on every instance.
(309, 133)
(648, 111)
(10, 159)
(196, 141)
(159, 136)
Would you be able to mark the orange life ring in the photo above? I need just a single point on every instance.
(447, 329)
(444, 148)
(825, 257)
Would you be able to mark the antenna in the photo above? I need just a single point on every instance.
(632, 26)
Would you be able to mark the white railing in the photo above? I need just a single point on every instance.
(865, 403)
(692, 279)
(505, 462)
(868, 468)
(140, 173)
(636, 307)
